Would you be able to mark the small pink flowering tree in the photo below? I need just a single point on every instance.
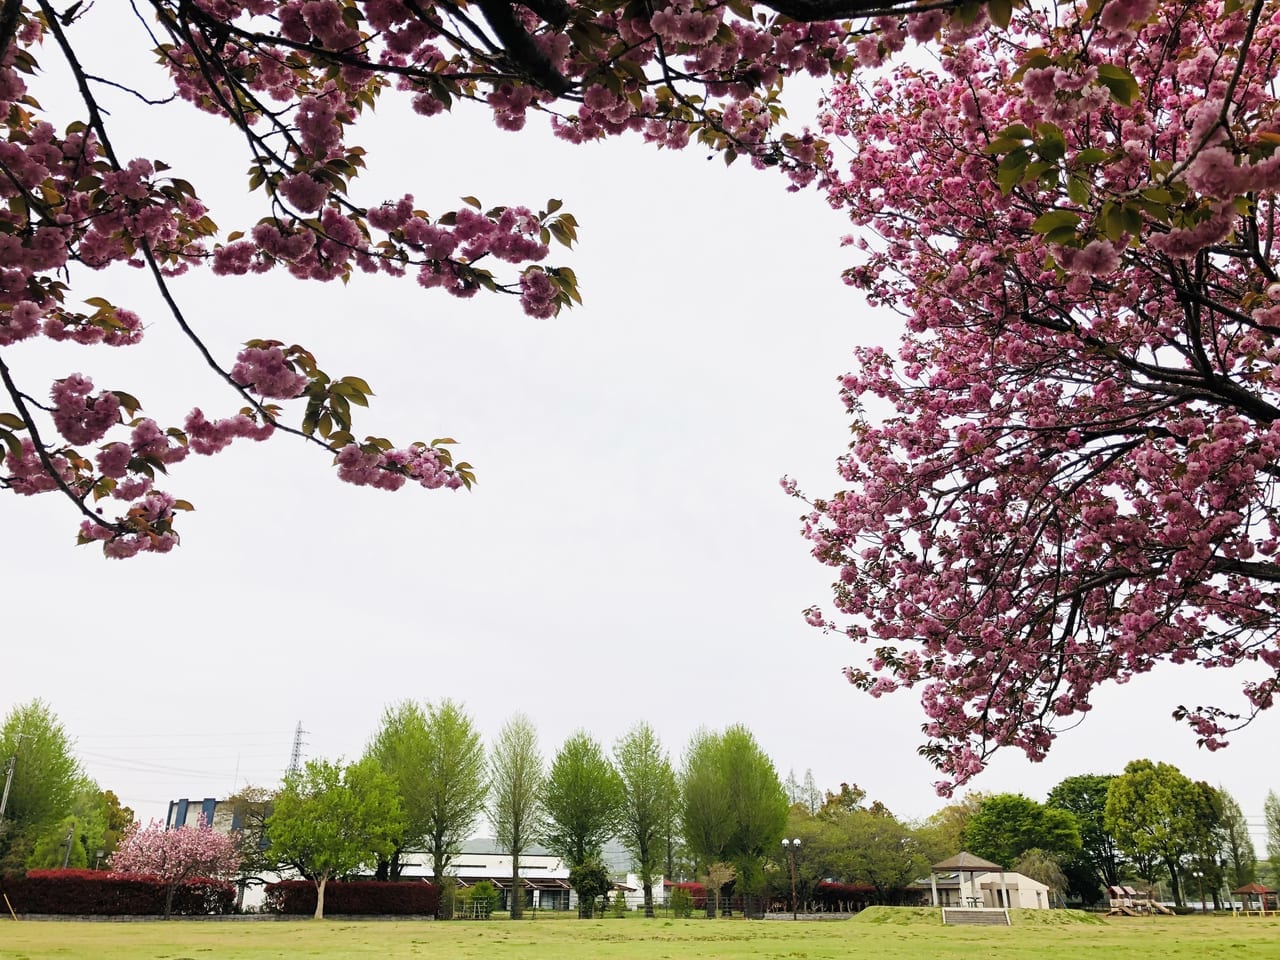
(176, 856)
(293, 78)
(1077, 479)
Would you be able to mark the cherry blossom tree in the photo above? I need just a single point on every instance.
(176, 856)
(294, 78)
(1075, 479)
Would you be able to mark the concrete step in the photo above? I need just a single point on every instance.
(978, 916)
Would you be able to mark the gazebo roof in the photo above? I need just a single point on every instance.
(965, 862)
(1252, 888)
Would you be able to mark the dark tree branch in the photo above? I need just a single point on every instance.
(8, 24)
(42, 453)
(521, 49)
(808, 11)
(1268, 572)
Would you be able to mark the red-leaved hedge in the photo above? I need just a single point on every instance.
(100, 893)
(359, 897)
(843, 896)
(697, 892)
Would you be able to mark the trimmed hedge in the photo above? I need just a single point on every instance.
(100, 893)
(696, 891)
(356, 898)
(843, 896)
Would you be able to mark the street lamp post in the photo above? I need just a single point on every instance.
(1199, 875)
(791, 846)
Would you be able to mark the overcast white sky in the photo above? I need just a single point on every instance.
(627, 554)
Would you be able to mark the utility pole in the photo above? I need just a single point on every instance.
(8, 778)
(8, 782)
(66, 856)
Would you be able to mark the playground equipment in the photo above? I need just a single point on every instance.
(1127, 902)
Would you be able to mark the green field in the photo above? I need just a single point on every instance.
(876, 933)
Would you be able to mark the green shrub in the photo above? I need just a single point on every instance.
(681, 903)
(448, 897)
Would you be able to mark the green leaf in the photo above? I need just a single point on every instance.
(1119, 81)
(1064, 236)
(1017, 132)
(1056, 220)
(13, 443)
(340, 410)
(1089, 157)
(1011, 169)
(1052, 145)
(12, 421)
(1078, 190)
(1000, 11)
(1114, 221)
(1002, 145)
(128, 401)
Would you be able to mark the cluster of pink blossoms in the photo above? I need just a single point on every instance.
(79, 417)
(266, 372)
(389, 469)
(1074, 481)
(294, 77)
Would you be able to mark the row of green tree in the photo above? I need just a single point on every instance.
(1150, 826)
(426, 783)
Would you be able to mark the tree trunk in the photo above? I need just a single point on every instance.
(437, 860)
(648, 897)
(168, 899)
(320, 897)
(1175, 885)
(517, 895)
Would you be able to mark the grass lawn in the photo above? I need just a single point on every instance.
(888, 933)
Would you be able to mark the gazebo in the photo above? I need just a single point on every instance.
(966, 863)
(1251, 891)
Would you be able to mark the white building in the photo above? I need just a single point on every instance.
(989, 889)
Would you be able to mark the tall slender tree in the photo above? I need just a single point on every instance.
(402, 748)
(734, 806)
(705, 810)
(582, 800)
(650, 797)
(456, 783)
(1271, 813)
(515, 807)
(582, 804)
(1235, 850)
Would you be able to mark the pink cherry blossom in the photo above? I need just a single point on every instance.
(1064, 476)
